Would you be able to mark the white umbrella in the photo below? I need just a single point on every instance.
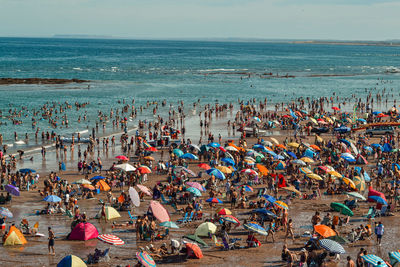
(231, 148)
(83, 181)
(195, 147)
(125, 167)
(133, 194)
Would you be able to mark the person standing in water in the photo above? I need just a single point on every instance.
(51, 241)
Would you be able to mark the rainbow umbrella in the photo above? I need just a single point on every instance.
(5, 212)
(247, 188)
(145, 259)
(281, 204)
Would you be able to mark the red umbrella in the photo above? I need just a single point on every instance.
(380, 115)
(335, 108)
(144, 169)
(194, 251)
(204, 166)
(121, 157)
(152, 149)
(222, 149)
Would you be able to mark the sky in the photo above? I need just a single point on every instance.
(165, 19)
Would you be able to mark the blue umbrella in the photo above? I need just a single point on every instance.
(349, 159)
(368, 148)
(269, 198)
(290, 153)
(255, 228)
(189, 156)
(196, 192)
(362, 120)
(228, 161)
(214, 144)
(265, 212)
(217, 173)
(345, 141)
(379, 200)
(5, 212)
(97, 178)
(214, 200)
(366, 177)
(377, 146)
(258, 146)
(169, 224)
(52, 198)
(376, 112)
(27, 170)
(271, 153)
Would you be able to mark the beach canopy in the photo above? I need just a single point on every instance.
(12, 190)
(14, 237)
(205, 228)
(159, 211)
(255, 228)
(342, 208)
(374, 260)
(5, 212)
(126, 167)
(324, 230)
(103, 186)
(332, 246)
(133, 194)
(193, 251)
(83, 231)
(71, 261)
(111, 239)
(145, 259)
(52, 198)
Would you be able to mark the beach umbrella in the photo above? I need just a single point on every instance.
(299, 162)
(349, 182)
(335, 174)
(336, 108)
(359, 183)
(292, 189)
(224, 169)
(249, 171)
(149, 158)
(71, 261)
(134, 196)
(217, 173)
(145, 259)
(82, 181)
(144, 169)
(231, 148)
(177, 152)
(231, 219)
(374, 260)
(111, 213)
(255, 228)
(247, 188)
(324, 230)
(293, 144)
(197, 239)
(305, 170)
(280, 166)
(169, 224)
(274, 140)
(394, 257)
(189, 156)
(204, 166)
(307, 160)
(257, 119)
(314, 176)
(111, 239)
(228, 161)
(13, 190)
(292, 155)
(339, 239)
(342, 208)
(193, 251)
(378, 199)
(214, 200)
(205, 229)
(196, 192)
(189, 172)
(269, 198)
(356, 195)
(214, 144)
(281, 204)
(52, 198)
(332, 246)
(88, 186)
(144, 189)
(223, 211)
(262, 169)
(347, 158)
(159, 211)
(126, 167)
(195, 147)
(281, 146)
(196, 185)
(27, 170)
(97, 178)
(265, 212)
(266, 143)
(103, 186)
(5, 212)
(122, 157)
(152, 149)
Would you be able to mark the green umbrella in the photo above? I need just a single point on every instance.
(339, 239)
(169, 224)
(356, 195)
(197, 239)
(342, 208)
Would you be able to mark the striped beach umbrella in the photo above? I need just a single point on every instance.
(5, 212)
(196, 192)
(394, 257)
(374, 260)
(356, 195)
(111, 239)
(332, 246)
(246, 188)
(359, 183)
(196, 185)
(231, 219)
(255, 228)
(214, 200)
(169, 224)
(281, 204)
(145, 259)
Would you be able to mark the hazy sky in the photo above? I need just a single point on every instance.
(290, 19)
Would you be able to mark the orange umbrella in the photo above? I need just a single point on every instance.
(281, 146)
(88, 186)
(103, 186)
(262, 169)
(316, 147)
(324, 230)
(149, 158)
(144, 169)
(194, 251)
(237, 147)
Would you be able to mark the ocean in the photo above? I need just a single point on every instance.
(149, 70)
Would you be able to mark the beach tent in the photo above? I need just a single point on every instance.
(71, 261)
(14, 237)
(103, 185)
(83, 231)
(111, 213)
(205, 228)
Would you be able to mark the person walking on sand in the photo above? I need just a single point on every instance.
(51, 241)
(103, 213)
(379, 230)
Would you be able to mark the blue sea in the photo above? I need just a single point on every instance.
(149, 70)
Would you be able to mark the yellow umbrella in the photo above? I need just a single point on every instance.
(281, 204)
(292, 189)
(359, 183)
(307, 160)
(314, 121)
(314, 176)
(350, 183)
(224, 169)
(274, 140)
(328, 120)
(319, 139)
(336, 174)
(149, 158)
(293, 144)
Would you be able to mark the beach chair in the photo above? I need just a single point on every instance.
(370, 214)
(190, 219)
(217, 243)
(68, 214)
(164, 201)
(184, 219)
(132, 217)
(383, 211)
